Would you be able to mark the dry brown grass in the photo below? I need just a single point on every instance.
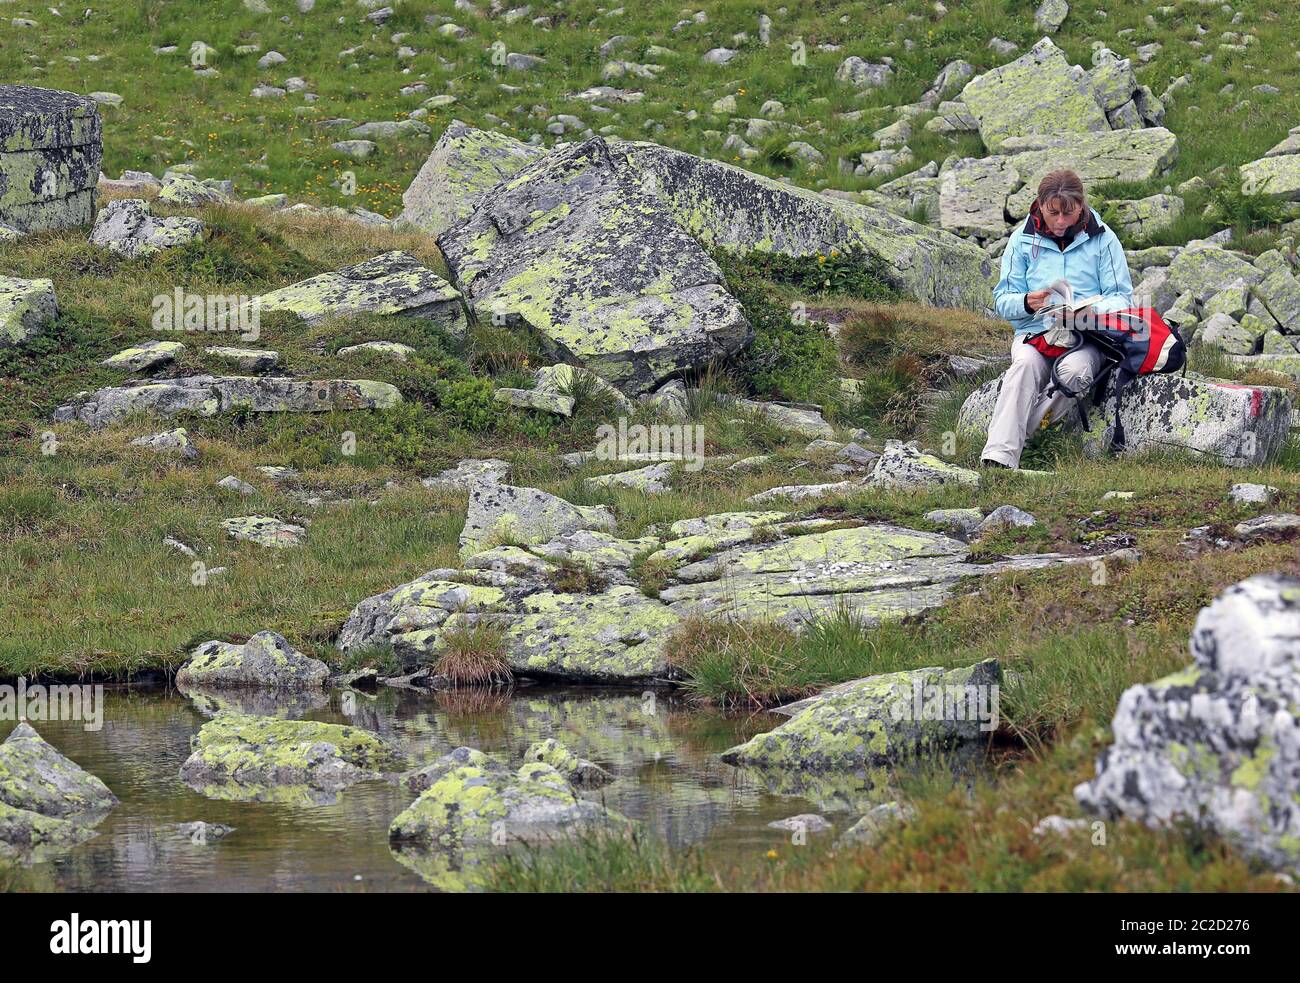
(909, 328)
(474, 654)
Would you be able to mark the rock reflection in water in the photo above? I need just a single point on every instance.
(662, 754)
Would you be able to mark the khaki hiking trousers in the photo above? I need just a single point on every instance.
(1023, 406)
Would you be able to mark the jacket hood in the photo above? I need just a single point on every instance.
(1035, 224)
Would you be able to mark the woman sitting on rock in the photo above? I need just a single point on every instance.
(1063, 239)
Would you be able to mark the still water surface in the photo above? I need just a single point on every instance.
(663, 753)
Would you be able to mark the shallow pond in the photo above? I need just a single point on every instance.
(663, 753)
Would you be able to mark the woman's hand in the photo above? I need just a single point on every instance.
(1036, 300)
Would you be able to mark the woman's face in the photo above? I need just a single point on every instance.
(1060, 215)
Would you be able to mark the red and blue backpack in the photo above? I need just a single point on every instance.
(1135, 341)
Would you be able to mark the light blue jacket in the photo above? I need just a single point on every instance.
(1093, 263)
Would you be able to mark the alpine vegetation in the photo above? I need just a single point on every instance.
(463, 446)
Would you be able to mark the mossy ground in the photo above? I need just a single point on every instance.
(86, 584)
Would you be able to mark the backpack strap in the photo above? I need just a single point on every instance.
(1081, 397)
(1117, 440)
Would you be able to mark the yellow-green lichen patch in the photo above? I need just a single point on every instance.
(618, 635)
(27, 307)
(473, 806)
(880, 720)
(36, 777)
(256, 753)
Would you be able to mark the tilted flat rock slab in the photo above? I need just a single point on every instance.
(804, 422)
(973, 193)
(1236, 424)
(875, 721)
(51, 148)
(391, 283)
(1033, 94)
(209, 395)
(594, 264)
(145, 356)
(465, 164)
(732, 208)
(875, 572)
(27, 307)
(264, 531)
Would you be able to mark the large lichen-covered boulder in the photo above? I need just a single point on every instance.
(483, 806)
(465, 164)
(266, 660)
(1217, 744)
(619, 635)
(501, 513)
(27, 307)
(728, 207)
(1233, 423)
(1036, 93)
(1119, 156)
(51, 147)
(207, 395)
(583, 255)
(127, 227)
(37, 778)
(978, 195)
(1278, 177)
(405, 616)
(390, 283)
(880, 720)
(255, 752)
(1141, 218)
(973, 193)
(1204, 270)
